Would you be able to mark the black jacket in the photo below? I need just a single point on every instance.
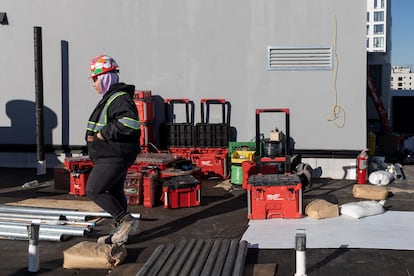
(121, 142)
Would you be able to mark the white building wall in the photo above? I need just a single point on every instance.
(188, 49)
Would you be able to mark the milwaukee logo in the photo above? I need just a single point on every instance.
(273, 197)
(206, 163)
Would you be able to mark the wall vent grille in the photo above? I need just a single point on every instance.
(300, 58)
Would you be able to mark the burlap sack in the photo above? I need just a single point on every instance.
(320, 208)
(371, 192)
(90, 255)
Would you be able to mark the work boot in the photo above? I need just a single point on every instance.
(128, 224)
(107, 239)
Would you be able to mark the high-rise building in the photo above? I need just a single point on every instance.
(378, 40)
(377, 25)
(402, 78)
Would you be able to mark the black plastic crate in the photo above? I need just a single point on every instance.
(179, 134)
(212, 135)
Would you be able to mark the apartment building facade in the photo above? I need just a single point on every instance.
(402, 78)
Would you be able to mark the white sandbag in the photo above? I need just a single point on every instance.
(362, 209)
(380, 178)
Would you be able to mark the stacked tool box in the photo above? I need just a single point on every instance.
(79, 168)
(133, 187)
(178, 131)
(274, 196)
(145, 106)
(211, 154)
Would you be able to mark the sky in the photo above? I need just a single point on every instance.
(402, 32)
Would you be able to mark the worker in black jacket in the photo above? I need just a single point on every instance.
(113, 142)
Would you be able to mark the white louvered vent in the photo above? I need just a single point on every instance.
(300, 58)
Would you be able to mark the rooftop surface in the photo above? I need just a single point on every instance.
(222, 215)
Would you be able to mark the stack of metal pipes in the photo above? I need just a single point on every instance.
(54, 224)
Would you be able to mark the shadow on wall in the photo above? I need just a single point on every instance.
(22, 114)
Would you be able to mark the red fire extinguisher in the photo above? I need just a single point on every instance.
(362, 167)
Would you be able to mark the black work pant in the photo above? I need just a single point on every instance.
(105, 186)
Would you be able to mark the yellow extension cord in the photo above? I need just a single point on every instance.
(337, 111)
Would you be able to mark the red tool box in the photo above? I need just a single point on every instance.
(134, 188)
(181, 191)
(145, 107)
(212, 161)
(274, 196)
(152, 159)
(182, 152)
(79, 168)
(152, 190)
(78, 180)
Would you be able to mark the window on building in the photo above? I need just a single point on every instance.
(367, 42)
(378, 42)
(399, 78)
(367, 29)
(367, 16)
(379, 16)
(382, 4)
(379, 29)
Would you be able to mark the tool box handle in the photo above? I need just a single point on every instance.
(205, 104)
(189, 109)
(287, 137)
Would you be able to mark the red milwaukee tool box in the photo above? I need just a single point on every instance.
(274, 196)
(152, 187)
(171, 172)
(79, 168)
(154, 160)
(78, 179)
(133, 188)
(212, 161)
(181, 191)
(77, 162)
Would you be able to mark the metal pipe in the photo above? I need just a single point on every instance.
(33, 250)
(38, 61)
(29, 216)
(68, 213)
(300, 246)
(202, 257)
(63, 229)
(47, 221)
(46, 236)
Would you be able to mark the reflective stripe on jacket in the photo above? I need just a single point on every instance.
(103, 118)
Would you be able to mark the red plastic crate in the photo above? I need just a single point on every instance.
(181, 191)
(78, 180)
(79, 162)
(213, 161)
(133, 188)
(171, 172)
(145, 107)
(147, 134)
(274, 196)
(152, 188)
(182, 152)
(142, 94)
(152, 159)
